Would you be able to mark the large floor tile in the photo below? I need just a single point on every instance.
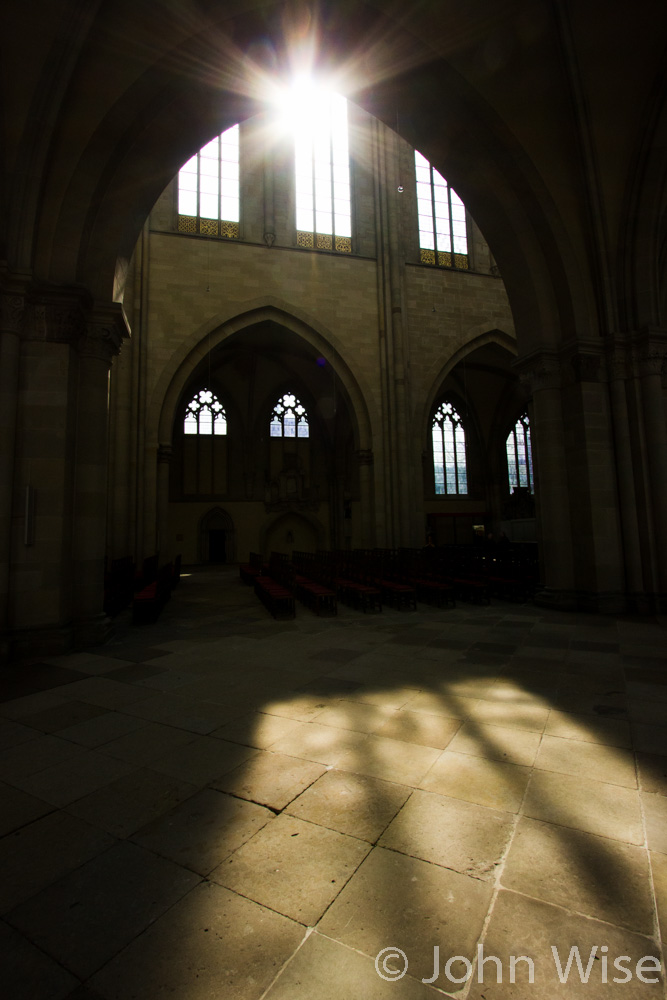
(592, 806)
(148, 742)
(256, 729)
(28, 972)
(362, 718)
(73, 778)
(102, 729)
(17, 808)
(491, 783)
(354, 804)
(327, 970)
(441, 703)
(513, 714)
(35, 755)
(38, 854)
(294, 867)
(587, 760)
(392, 760)
(469, 838)
(514, 746)
(202, 760)
(400, 902)
(85, 918)
(571, 726)
(520, 926)
(650, 739)
(592, 875)
(420, 728)
(655, 810)
(315, 742)
(129, 803)
(652, 770)
(205, 829)
(273, 779)
(213, 943)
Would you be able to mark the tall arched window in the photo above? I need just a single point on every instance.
(519, 455)
(208, 188)
(289, 418)
(449, 451)
(443, 237)
(318, 119)
(205, 414)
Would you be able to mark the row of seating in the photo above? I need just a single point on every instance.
(153, 594)
(367, 579)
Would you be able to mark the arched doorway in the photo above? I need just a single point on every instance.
(217, 537)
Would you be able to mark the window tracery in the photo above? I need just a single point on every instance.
(289, 418)
(205, 414)
(449, 451)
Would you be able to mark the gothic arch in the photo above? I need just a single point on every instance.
(216, 520)
(196, 82)
(182, 365)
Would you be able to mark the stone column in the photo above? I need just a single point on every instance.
(40, 601)
(96, 347)
(12, 308)
(618, 371)
(650, 365)
(541, 374)
(365, 463)
(164, 454)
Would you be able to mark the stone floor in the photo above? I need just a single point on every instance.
(224, 806)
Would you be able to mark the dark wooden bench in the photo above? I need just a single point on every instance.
(275, 598)
(150, 600)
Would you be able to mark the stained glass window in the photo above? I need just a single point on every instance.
(449, 451)
(322, 172)
(443, 238)
(208, 187)
(205, 414)
(289, 418)
(519, 455)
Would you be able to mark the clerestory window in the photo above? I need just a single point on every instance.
(208, 188)
(449, 451)
(519, 455)
(318, 119)
(443, 238)
(205, 414)
(289, 418)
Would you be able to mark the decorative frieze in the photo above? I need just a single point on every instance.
(103, 334)
(12, 311)
(540, 372)
(586, 367)
(59, 321)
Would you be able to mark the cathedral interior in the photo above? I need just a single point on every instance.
(350, 284)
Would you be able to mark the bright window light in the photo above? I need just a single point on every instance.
(317, 118)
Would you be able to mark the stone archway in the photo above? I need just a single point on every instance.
(217, 537)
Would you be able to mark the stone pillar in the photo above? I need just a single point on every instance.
(164, 454)
(650, 365)
(365, 464)
(618, 372)
(41, 570)
(12, 307)
(96, 347)
(541, 374)
(403, 523)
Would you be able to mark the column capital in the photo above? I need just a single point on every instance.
(164, 453)
(56, 315)
(12, 311)
(105, 329)
(539, 370)
(365, 456)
